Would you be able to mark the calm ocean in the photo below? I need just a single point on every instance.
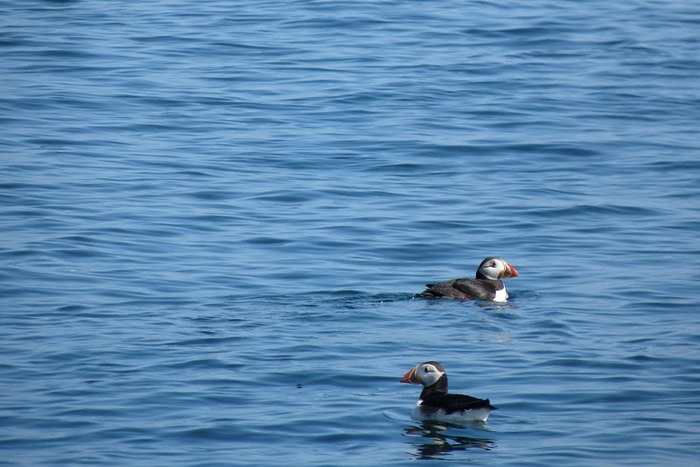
(215, 216)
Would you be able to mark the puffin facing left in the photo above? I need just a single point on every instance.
(436, 404)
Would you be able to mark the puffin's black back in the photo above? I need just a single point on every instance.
(455, 402)
(464, 289)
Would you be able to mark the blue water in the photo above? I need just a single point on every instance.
(215, 215)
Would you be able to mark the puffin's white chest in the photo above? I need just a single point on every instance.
(501, 295)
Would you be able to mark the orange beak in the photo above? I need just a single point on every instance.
(410, 377)
(510, 271)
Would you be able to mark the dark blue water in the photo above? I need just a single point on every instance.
(215, 215)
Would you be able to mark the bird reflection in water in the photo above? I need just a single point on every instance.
(435, 443)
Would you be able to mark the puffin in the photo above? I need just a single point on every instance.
(435, 404)
(486, 286)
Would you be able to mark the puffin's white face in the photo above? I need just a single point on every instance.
(496, 268)
(426, 374)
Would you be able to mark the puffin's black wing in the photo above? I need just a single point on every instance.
(444, 289)
(456, 402)
(464, 289)
(480, 289)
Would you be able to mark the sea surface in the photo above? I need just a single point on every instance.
(215, 216)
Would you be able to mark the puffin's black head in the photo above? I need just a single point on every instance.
(495, 268)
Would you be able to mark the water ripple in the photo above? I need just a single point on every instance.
(217, 217)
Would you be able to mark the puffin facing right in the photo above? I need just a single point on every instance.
(436, 404)
(486, 286)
